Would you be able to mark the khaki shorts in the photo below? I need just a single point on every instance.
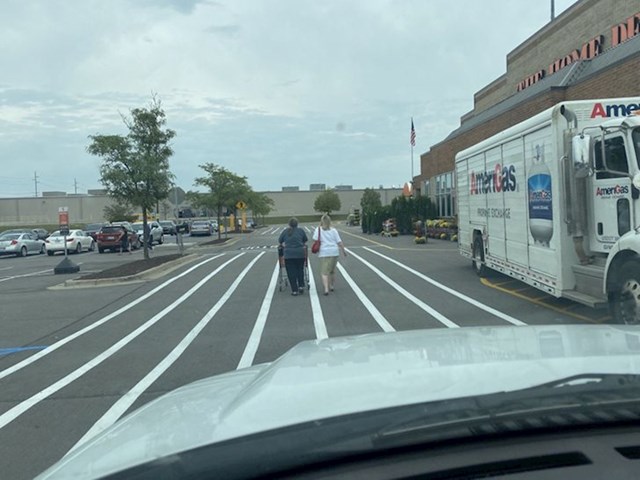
(328, 265)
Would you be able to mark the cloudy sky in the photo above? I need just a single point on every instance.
(285, 92)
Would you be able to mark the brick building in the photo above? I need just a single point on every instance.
(590, 51)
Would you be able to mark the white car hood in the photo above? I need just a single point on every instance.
(327, 378)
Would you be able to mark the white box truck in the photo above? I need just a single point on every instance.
(554, 202)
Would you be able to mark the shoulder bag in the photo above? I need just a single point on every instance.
(315, 248)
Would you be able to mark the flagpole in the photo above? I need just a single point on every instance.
(412, 143)
(412, 165)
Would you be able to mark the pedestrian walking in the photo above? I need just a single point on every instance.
(124, 241)
(148, 239)
(330, 248)
(293, 241)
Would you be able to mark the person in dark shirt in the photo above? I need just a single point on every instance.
(294, 243)
(124, 241)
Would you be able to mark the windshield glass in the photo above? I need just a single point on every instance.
(636, 144)
(112, 229)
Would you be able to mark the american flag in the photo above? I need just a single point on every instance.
(413, 134)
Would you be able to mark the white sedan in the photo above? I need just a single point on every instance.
(77, 241)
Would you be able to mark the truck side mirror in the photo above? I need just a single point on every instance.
(580, 147)
(635, 186)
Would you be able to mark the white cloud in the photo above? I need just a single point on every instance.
(284, 91)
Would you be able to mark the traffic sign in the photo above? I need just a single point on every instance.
(63, 220)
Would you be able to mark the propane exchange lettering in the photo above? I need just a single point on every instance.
(494, 212)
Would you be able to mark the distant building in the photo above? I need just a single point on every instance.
(343, 187)
(317, 187)
(97, 191)
(54, 194)
(291, 189)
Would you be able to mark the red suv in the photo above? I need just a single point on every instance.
(110, 237)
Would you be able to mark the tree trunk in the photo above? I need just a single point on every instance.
(145, 248)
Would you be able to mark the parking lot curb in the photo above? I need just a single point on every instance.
(150, 274)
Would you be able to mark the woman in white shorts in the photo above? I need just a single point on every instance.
(330, 248)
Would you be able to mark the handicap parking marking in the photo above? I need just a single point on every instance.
(10, 350)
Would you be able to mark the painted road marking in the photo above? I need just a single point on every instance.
(316, 309)
(453, 292)
(267, 231)
(431, 311)
(13, 413)
(103, 320)
(368, 240)
(10, 350)
(375, 313)
(487, 283)
(122, 405)
(251, 348)
(33, 274)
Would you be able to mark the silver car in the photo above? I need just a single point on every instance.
(155, 231)
(201, 227)
(20, 244)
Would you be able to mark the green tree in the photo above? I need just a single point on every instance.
(327, 202)
(371, 205)
(260, 204)
(225, 189)
(135, 167)
(119, 212)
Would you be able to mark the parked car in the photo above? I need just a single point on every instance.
(76, 242)
(168, 227)
(201, 227)
(20, 244)
(40, 233)
(92, 229)
(155, 232)
(110, 237)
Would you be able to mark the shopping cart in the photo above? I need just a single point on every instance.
(283, 281)
(306, 268)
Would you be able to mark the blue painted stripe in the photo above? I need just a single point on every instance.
(9, 351)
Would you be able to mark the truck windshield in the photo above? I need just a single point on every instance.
(636, 144)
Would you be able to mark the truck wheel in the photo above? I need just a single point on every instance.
(625, 301)
(478, 257)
